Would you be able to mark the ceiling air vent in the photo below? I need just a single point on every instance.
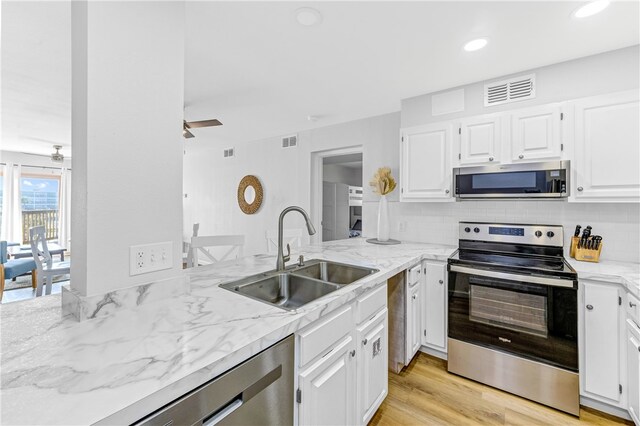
(511, 90)
(290, 141)
(228, 152)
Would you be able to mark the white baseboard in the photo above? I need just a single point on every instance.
(433, 352)
(605, 408)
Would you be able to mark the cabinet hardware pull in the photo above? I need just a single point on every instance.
(353, 353)
(631, 304)
(413, 297)
(580, 188)
(446, 191)
(521, 156)
(441, 281)
(490, 158)
(590, 307)
(364, 342)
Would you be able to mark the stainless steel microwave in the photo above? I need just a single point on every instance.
(548, 179)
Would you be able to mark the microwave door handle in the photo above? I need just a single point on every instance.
(556, 282)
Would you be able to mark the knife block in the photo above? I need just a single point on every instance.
(584, 254)
(574, 246)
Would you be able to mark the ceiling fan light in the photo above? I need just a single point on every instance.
(56, 157)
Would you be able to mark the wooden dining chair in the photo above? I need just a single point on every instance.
(201, 245)
(293, 237)
(46, 267)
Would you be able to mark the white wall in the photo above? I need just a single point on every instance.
(127, 110)
(341, 174)
(211, 181)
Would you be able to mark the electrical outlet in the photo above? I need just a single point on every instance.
(150, 257)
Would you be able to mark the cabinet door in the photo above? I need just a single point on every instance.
(607, 148)
(328, 394)
(435, 307)
(601, 368)
(426, 162)
(536, 133)
(414, 320)
(633, 370)
(372, 366)
(480, 140)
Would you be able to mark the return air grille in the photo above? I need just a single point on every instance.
(512, 90)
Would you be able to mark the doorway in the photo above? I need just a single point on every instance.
(338, 198)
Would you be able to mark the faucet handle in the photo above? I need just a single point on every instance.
(287, 257)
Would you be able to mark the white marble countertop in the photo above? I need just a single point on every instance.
(624, 273)
(116, 369)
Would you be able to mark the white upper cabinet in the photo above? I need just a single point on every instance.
(480, 140)
(425, 160)
(536, 133)
(606, 145)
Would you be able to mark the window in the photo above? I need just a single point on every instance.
(39, 193)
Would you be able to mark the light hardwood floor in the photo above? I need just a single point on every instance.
(425, 394)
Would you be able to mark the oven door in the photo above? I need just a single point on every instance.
(529, 316)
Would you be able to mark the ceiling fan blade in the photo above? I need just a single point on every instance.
(203, 123)
(187, 134)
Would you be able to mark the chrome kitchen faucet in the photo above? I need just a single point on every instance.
(282, 259)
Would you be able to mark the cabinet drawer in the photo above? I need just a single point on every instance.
(633, 308)
(320, 336)
(370, 303)
(414, 275)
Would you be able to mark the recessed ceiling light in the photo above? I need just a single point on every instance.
(591, 8)
(307, 16)
(476, 44)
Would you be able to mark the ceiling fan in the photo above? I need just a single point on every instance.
(57, 157)
(186, 125)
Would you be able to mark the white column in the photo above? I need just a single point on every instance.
(127, 110)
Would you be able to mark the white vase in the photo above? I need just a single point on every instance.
(383, 219)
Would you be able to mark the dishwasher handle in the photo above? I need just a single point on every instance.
(224, 412)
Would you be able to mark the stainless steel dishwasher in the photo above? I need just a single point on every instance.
(257, 392)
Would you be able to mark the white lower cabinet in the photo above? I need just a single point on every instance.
(414, 320)
(372, 365)
(342, 363)
(633, 370)
(602, 358)
(435, 306)
(328, 387)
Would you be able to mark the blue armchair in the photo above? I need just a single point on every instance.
(12, 268)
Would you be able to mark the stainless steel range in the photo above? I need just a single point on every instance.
(513, 312)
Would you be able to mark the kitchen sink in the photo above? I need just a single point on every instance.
(333, 272)
(299, 285)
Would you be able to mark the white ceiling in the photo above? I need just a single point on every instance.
(251, 65)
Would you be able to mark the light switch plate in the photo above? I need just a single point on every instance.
(150, 257)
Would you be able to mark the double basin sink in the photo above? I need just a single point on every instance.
(298, 285)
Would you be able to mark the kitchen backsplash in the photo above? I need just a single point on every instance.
(618, 224)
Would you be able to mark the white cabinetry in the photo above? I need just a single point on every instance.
(342, 363)
(435, 306)
(633, 369)
(536, 133)
(372, 366)
(425, 163)
(602, 357)
(414, 311)
(480, 139)
(606, 145)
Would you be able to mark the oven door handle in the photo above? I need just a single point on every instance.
(556, 282)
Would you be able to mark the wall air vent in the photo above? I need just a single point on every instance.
(511, 90)
(290, 141)
(229, 152)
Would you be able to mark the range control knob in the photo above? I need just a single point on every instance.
(476, 230)
(550, 234)
(467, 229)
(538, 234)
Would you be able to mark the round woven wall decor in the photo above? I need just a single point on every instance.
(254, 206)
